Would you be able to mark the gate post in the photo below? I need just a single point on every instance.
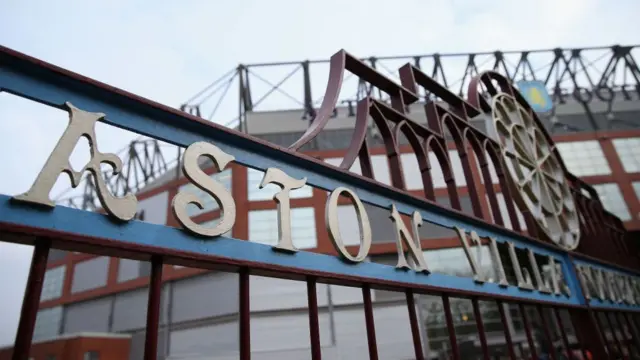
(592, 336)
(31, 301)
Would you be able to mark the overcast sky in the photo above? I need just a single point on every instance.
(168, 50)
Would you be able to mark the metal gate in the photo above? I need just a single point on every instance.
(574, 258)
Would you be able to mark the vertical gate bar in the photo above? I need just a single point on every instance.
(527, 330)
(31, 301)
(153, 310)
(563, 333)
(480, 326)
(455, 354)
(603, 331)
(314, 326)
(627, 336)
(413, 320)
(368, 317)
(632, 331)
(603, 347)
(578, 331)
(613, 331)
(547, 334)
(507, 333)
(245, 316)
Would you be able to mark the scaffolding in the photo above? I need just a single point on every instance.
(608, 74)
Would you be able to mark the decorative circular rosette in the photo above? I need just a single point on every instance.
(536, 171)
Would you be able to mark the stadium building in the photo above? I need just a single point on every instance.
(101, 302)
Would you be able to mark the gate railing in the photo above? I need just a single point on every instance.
(540, 273)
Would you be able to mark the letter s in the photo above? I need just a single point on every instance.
(203, 181)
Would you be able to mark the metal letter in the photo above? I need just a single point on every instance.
(413, 242)
(331, 219)
(205, 183)
(81, 123)
(591, 284)
(462, 235)
(556, 277)
(524, 282)
(627, 288)
(496, 261)
(542, 286)
(282, 198)
(600, 284)
(583, 280)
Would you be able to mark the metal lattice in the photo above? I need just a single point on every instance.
(609, 74)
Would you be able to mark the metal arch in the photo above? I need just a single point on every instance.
(568, 69)
(563, 70)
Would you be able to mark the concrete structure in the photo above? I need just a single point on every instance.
(81, 346)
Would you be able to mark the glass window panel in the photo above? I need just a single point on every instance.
(263, 227)
(411, 171)
(612, 200)
(378, 162)
(52, 284)
(348, 224)
(355, 168)
(208, 202)
(453, 261)
(629, 153)
(254, 178)
(47, 323)
(413, 177)
(636, 188)
(584, 158)
(214, 222)
(492, 170)
(128, 269)
(456, 165)
(381, 169)
(505, 213)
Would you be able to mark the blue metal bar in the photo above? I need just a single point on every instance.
(121, 238)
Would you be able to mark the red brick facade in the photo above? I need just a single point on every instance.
(74, 347)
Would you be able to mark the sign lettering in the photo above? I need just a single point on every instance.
(549, 279)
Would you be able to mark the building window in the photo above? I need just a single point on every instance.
(348, 225)
(214, 222)
(413, 177)
(208, 202)
(584, 158)
(48, 323)
(90, 274)
(263, 227)
(456, 168)
(355, 168)
(91, 355)
(52, 284)
(612, 200)
(492, 170)
(636, 188)
(629, 153)
(254, 178)
(502, 204)
(454, 262)
(379, 165)
(132, 269)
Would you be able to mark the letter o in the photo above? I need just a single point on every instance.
(331, 219)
